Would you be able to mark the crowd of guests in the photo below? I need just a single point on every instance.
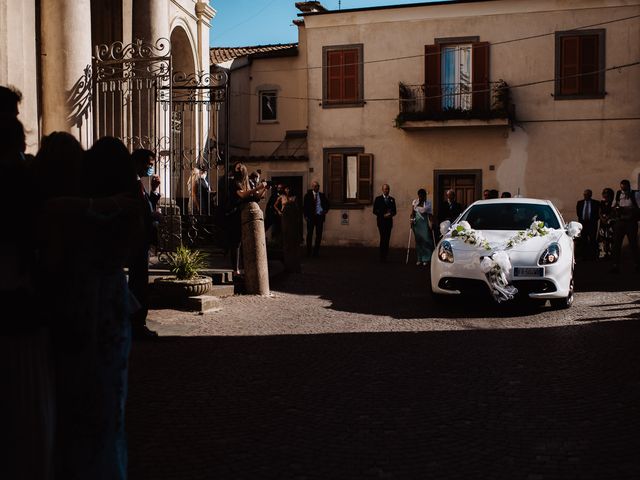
(283, 216)
(606, 223)
(78, 219)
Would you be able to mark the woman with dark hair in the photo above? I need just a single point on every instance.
(291, 220)
(27, 407)
(607, 220)
(239, 192)
(98, 228)
(421, 217)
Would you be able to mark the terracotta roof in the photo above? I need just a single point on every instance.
(222, 54)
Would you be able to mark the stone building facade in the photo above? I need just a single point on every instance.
(538, 98)
(47, 45)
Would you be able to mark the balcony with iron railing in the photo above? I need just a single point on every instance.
(454, 105)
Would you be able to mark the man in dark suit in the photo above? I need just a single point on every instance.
(588, 212)
(384, 208)
(144, 161)
(450, 209)
(315, 206)
(203, 191)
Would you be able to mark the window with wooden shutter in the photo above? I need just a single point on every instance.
(580, 64)
(343, 70)
(433, 81)
(365, 177)
(335, 190)
(348, 176)
(457, 75)
(480, 74)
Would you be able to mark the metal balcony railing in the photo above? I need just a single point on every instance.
(450, 101)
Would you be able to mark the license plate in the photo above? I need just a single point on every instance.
(528, 272)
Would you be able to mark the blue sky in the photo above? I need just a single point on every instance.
(263, 22)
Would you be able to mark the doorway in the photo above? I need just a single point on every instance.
(295, 184)
(466, 183)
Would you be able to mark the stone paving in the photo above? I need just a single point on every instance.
(350, 371)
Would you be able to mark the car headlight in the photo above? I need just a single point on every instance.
(445, 252)
(550, 255)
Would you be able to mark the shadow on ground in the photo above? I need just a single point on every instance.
(552, 403)
(353, 280)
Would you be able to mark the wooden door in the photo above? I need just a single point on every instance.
(466, 184)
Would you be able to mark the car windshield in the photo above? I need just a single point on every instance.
(509, 216)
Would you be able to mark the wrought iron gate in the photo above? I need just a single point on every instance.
(138, 98)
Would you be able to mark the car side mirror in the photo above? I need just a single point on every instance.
(444, 227)
(573, 229)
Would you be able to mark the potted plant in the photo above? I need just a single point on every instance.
(185, 264)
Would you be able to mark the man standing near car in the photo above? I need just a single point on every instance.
(384, 208)
(588, 212)
(315, 207)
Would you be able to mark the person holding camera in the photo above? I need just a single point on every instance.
(627, 214)
(240, 192)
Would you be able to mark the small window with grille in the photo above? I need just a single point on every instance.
(268, 106)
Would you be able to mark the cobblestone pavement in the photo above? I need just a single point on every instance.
(350, 371)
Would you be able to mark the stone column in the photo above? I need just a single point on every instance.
(254, 250)
(65, 29)
(150, 20)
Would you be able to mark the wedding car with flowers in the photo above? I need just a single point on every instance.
(504, 247)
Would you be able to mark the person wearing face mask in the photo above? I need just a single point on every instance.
(201, 191)
(627, 213)
(144, 161)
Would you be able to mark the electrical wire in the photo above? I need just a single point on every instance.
(433, 97)
(484, 45)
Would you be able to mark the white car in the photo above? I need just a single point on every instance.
(501, 245)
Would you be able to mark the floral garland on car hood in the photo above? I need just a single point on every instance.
(497, 265)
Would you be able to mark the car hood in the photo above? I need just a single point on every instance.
(499, 238)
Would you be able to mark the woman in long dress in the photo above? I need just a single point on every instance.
(240, 192)
(287, 208)
(421, 216)
(605, 228)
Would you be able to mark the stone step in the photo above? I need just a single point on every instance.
(220, 276)
(221, 290)
(203, 303)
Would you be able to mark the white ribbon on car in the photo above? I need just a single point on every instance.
(497, 265)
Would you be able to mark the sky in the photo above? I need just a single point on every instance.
(265, 22)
